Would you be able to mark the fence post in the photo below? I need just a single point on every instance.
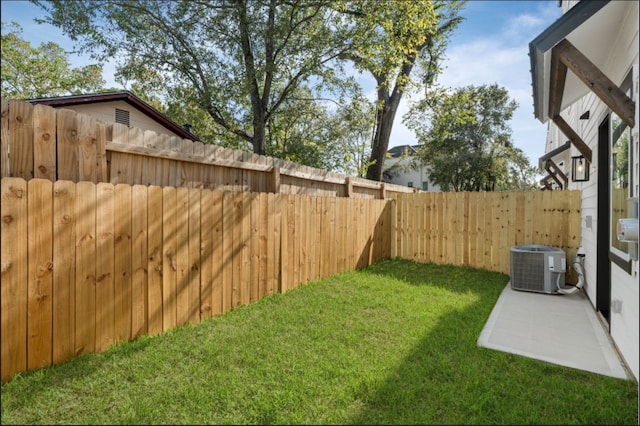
(349, 187)
(275, 179)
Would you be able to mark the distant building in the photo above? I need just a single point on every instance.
(403, 167)
(120, 107)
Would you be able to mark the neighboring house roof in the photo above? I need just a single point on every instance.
(126, 96)
(398, 151)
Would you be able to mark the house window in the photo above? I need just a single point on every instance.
(122, 117)
(620, 166)
(410, 184)
(425, 185)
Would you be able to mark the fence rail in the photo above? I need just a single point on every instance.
(39, 141)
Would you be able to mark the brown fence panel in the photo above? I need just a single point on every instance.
(14, 227)
(479, 229)
(64, 261)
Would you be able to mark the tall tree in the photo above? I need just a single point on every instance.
(401, 44)
(35, 72)
(466, 141)
(241, 58)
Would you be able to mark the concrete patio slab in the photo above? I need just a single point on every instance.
(560, 329)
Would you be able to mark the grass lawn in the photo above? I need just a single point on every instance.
(391, 344)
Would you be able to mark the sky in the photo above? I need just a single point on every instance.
(491, 46)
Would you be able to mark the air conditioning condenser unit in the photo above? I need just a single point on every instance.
(538, 268)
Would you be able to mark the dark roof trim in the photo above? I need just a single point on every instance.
(553, 153)
(126, 96)
(554, 34)
(397, 151)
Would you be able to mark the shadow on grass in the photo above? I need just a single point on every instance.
(462, 383)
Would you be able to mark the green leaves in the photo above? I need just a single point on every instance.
(466, 140)
(44, 71)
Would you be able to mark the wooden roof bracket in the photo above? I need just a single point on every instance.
(565, 56)
(556, 173)
(545, 183)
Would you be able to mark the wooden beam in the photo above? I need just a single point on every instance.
(554, 172)
(595, 80)
(573, 137)
(557, 80)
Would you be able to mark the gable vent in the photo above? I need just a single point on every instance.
(122, 117)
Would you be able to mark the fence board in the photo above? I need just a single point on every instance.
(182, 255)
(101, 152)
(295, 213)
(206, 256)
(44, 143)
(122, 262)
(194, 256)
(254, 267)
(21, 140)
(170, 265)
(120, 163)
(156, 260)
(139, 272)
(236, 280)
(68, 141)
(275, 233)
(285, 258)
(217, 254)
(263, 236)
(4, 138)
(14, 294)
(87, 148)
(228, 250)
(85, 339)
(245, 249)
(40, 279)
(140, 168)
(64, 240)
(105, 291)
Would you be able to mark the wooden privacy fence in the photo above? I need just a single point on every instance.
(86, 265)
(478, 229)
(58, 144)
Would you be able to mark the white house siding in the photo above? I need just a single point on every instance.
(624, 287)
(416, 177)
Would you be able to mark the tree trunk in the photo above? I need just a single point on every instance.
(380, 143)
